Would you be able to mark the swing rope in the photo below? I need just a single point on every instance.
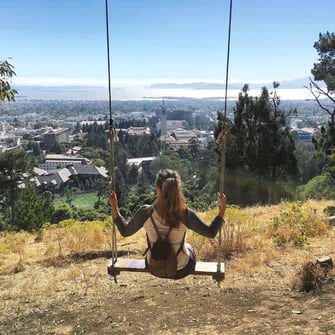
(223, 136)
(112, 137)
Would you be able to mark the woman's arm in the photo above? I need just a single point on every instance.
(135, 223)
(196, 224)
(199, 226)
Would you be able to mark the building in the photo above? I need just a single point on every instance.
(81, 174)
(139, 131)
(53, 136)
(140, 162)
(8, 140)
(4, 127)
(187, 138)
(72, 176)
(303, 134)
(92, 122)
(74, 150)
(55, 162)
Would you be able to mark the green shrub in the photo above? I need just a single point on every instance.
(296, 223)
(61, 213)
(89, 215)
(320, 187)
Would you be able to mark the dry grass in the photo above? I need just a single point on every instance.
(248, 242)
(48, 286)
(70, 236)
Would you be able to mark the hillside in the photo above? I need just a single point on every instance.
(57, 283)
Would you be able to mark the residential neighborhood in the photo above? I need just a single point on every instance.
(60, 162)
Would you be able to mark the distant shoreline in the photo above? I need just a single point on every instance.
(157, 91)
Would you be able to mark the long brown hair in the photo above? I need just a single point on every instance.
(172, 207)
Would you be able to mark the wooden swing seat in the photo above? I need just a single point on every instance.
(138, 265)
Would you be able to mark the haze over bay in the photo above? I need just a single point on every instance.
(288, 90)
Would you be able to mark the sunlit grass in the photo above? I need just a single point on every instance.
(81, 201)
(249, 238)
(71, 236)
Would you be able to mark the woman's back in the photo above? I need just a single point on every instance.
(176, 236)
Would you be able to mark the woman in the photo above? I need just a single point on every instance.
(171, 217)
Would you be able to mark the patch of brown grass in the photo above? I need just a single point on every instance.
(71, 236)
(233, 238)
(247, 244)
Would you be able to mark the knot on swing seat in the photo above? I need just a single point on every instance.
(214, 269)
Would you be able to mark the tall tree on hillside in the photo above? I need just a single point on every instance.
(32, 208)
(6, 73)
(324, 71)
(260, 141)
(14, 167)
(96, 136)
(259, 146)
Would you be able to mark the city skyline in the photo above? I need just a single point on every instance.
(64, 43)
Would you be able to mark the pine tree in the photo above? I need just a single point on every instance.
(324, 71)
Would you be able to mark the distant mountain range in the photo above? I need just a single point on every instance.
(287, 84)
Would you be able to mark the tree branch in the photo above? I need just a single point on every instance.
(317, 95)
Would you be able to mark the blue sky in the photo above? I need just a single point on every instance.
(63, 41)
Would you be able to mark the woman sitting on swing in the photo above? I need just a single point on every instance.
(170, 217)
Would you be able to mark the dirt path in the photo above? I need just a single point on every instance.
(83, 299)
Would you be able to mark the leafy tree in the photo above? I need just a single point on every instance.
(57, 148)
(89, 215)
(99, 162)
(96, 136)
(259, 143)
(145, 146)
(310, 163)
(132, 175)
(324, 71)
(14, 168)
(32, 209)
(63, 212)
(6, 73)
(319, 187)
(102, 190)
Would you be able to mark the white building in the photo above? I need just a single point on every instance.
(138, 131)
(8, 140)
(139, 161)
(303, 134)
(55, 162)
(184, 138)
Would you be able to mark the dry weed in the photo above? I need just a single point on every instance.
(310, 277)
(71, 236)
(233, 238)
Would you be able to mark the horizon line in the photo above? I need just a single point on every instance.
(103, 83)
